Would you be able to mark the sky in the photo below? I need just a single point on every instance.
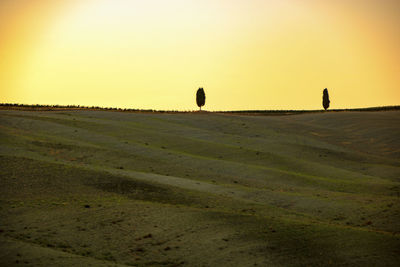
(155, 54)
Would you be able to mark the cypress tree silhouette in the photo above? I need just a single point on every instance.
(325, 99)
(200, 97)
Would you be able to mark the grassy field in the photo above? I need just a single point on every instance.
(106, 188)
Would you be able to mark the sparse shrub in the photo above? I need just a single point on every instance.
(200, 97)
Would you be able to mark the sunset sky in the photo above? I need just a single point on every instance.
(246, 54)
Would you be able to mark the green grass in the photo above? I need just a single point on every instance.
(81, 187)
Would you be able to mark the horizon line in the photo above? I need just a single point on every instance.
(47, 107)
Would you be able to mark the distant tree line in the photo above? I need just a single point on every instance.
(200, 101)
(201, 98)
(79, 107)
(261, 112)
(286, 112)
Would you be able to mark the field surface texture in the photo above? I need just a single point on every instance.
(102, 188)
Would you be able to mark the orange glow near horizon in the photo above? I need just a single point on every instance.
(256, 54)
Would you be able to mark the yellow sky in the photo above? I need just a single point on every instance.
(246, 54)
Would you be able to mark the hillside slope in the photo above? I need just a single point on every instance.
(200, 189)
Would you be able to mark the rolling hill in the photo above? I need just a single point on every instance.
(81, 187)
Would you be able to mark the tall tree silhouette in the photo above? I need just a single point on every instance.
(325, 99)
(200, 97)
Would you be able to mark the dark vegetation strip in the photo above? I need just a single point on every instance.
(38, 107)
